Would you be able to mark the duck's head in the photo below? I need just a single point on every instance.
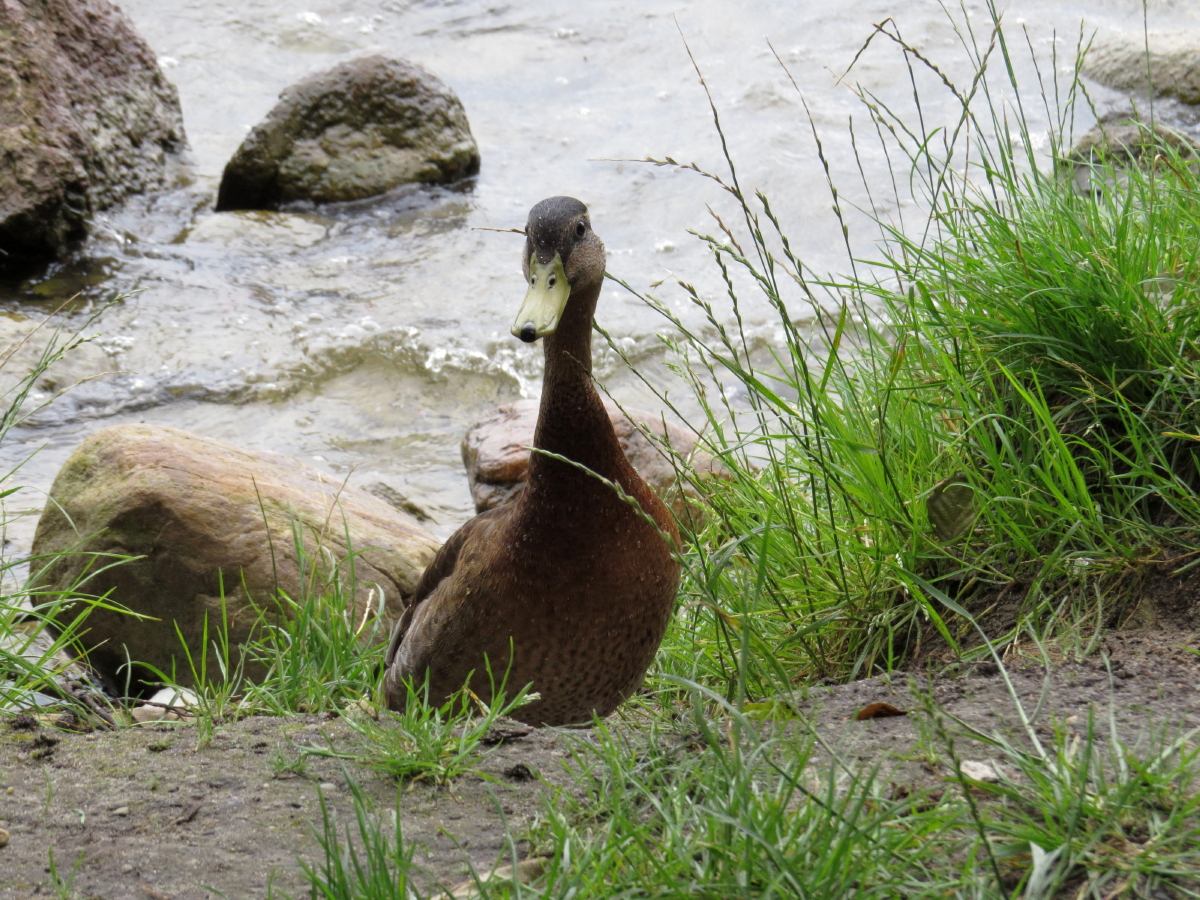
(562, 256)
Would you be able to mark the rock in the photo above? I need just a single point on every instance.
(141, 714)
(397, 500)
(168, 704)
(495, 452)
(28, 646)
(526, 871)
(1119, 137)
(1119, 140)
(979, 770)
(355, 131)
(86, 117)
(192, 509)
(1168, 63)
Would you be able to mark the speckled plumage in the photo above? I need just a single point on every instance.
(568, 574)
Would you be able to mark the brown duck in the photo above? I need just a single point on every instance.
(568, 574)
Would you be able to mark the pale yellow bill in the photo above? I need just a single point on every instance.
(544, 301)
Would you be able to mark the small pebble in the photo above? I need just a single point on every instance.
(979, 770)
(11, 790)
(127, 868)
(328, 786)
(3, 838)
(121, 811)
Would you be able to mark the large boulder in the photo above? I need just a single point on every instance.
(1166, 63)
(86, 117)
(199, 517)
(496, 454)
(357, 130)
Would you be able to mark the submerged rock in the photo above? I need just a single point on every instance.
(1167, 64)
(86, 118)
(496, 454)
(355, 131)
(201, 517)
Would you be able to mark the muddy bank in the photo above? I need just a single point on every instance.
(156, 817)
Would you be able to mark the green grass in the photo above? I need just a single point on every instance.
(1035, 344)
(318, 654)
(38, 640)
(366, 860)
(321, 656)
(424, 741)
(714, 804)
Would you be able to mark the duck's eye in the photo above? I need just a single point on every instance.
(580, 230)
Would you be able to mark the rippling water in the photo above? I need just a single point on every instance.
(366, 339)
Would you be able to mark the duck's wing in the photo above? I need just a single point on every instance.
(441, 568)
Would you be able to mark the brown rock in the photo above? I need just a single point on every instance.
(496, 454)
(86, 118)
(194, 511)
(355, 131)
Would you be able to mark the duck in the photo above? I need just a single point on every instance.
(568, 587)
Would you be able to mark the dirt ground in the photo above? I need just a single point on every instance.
(148, 815)
(154, 817)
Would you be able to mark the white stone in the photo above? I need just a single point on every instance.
(978, 770)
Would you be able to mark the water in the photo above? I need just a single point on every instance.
(367, 339)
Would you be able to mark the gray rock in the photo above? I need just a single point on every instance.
(197, 514)
(1166, 63)
(496, 455)
(1120, 138)
(86, 118)
(355, 131)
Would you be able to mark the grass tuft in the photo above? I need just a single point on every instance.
(427, 742)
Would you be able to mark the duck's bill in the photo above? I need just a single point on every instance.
(544, 301)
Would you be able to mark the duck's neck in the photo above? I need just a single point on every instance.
(572, 421)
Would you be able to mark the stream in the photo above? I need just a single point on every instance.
(366, 339)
